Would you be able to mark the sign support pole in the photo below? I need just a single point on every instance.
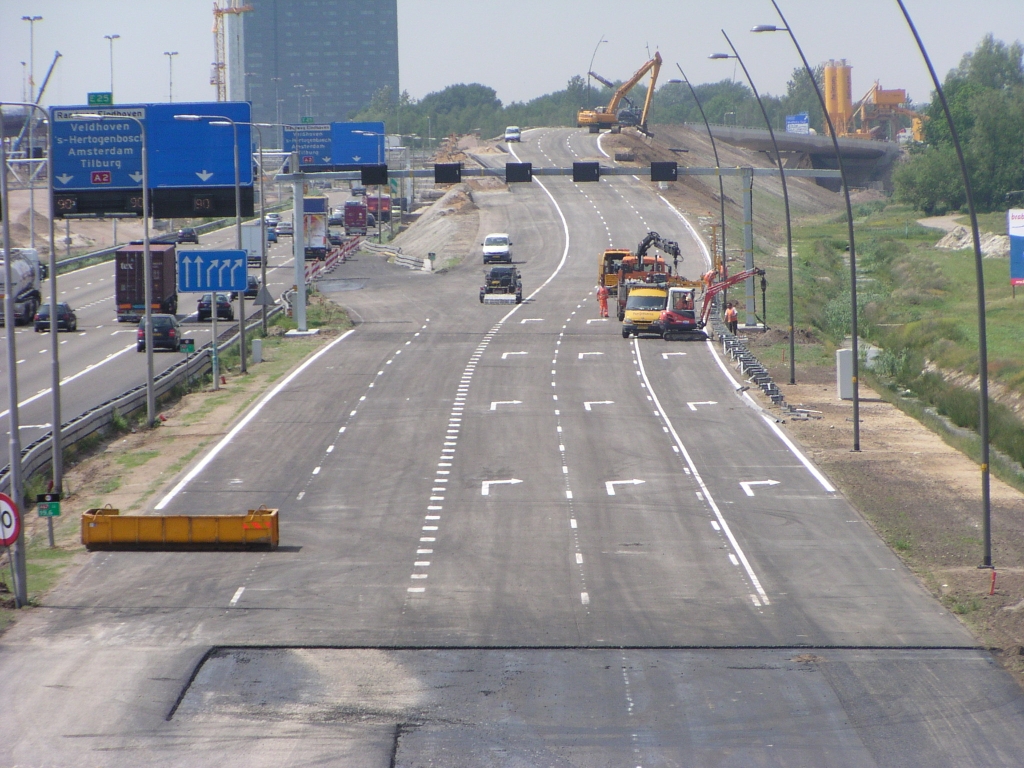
(299, 246)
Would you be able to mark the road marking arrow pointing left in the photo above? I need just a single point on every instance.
(582, 354)
(747, 485)
(485, 486)
(610, 485)
(588, 403)
(496, 403)
(693, 405)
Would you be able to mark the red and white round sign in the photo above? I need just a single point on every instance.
(10, 521)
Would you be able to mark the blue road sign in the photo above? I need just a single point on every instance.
(107, 154)
(312, 142)
(351, 148)
(207, 271)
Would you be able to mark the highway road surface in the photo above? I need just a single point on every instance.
(510, 538)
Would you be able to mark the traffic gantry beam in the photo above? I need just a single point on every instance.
(517, 172)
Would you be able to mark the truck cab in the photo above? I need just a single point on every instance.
(644, 304)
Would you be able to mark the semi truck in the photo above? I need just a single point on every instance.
(130, 283)
(26, 277)
(373, 202)
(355, 217)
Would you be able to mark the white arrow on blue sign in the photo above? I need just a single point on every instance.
(203, 271)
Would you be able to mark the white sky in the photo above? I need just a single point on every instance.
(522, 49)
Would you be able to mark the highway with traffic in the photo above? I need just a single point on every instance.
(510, 537)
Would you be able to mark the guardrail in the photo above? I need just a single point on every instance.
(401, 259)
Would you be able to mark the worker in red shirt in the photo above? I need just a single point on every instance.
(602, 300)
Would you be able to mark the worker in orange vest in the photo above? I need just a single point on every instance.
(731, 319)
(602, 300)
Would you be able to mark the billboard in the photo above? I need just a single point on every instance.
(1015, 229)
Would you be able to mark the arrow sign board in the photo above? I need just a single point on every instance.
(485, 487)
(747, 489)
(205, 271)
(101, 155)
(610, 485)
(10, 521)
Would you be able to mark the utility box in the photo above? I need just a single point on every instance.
(844, 373)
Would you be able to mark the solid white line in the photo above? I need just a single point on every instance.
(696, 475)
(796, 452)
(245, 421)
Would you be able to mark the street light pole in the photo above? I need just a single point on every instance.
(170, 75)
(111, 38)
(980, 280)
(589, 68)
(785, 198)
(31, 128)
(849, 215)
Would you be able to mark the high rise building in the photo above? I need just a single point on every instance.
(320, 59)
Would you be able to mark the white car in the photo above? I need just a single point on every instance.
(512, 133)
(497, 247)
(271, 219)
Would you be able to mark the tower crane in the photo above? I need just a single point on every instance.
(217, 76)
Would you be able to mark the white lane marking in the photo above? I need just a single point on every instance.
(610, 484)
(417, 589)
(301, 494)
(238, 594)
(693, 405)
(496, 403)
(579, 558)
(597, 320)
(245, 421)
(572, 523)
(584, 598)
(568, 494)
(700, 481)
(485, 486)
(526, 320)
(330, 448)
(715, 525)
(504, 355)
(666, 355)
(796, 452)
(750, 491)
(565, 470)
(588, 403)
(733, 559)
(584, 354)
(316, 470)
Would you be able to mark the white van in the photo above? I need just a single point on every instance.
(512, 133)
(497, 247)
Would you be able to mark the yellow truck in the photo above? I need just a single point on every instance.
(644, 304)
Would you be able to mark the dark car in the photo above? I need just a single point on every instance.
(224, 309)
(271, 234)
(67, 320)
(252, 287)
(166, 334)
(187, 235)
(335, 239)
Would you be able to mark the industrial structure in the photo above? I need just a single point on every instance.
(880, 115)
(306, 60)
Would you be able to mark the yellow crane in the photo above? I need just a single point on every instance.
(610, 116)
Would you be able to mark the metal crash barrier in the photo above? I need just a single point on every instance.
(107, 529)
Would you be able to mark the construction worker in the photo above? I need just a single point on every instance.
(732, 319)
(602, 300)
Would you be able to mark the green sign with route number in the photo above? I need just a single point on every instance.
(101, 99)
(49, 509)
(307, 120)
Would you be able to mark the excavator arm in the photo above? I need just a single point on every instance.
(627, 86)
(650, 91)
(653, 239)
(716, 288)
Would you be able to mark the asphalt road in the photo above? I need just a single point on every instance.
(99, 361)
(510, 538)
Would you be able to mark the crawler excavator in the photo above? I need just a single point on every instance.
(613, 118)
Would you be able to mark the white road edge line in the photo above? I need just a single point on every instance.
(245, 421)
(714, 353)
(700, 481)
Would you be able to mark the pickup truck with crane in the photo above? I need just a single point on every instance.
(26, 276)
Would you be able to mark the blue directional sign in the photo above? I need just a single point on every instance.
(312, 142)
(106, 154)
(207, 271)
(351, 148)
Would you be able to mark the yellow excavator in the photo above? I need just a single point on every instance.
(613, 118)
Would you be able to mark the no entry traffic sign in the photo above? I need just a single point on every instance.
(10, 521)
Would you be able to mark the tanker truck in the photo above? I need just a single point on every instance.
(25, 279)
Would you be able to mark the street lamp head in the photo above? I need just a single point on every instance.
(721, 56)
(31, 18)
(768, 28)
(111, 37)
(190, 118)
(219, 122)
(170, 53)
(674, 81)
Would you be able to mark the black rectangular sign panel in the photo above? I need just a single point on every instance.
(664, 171)
(447, 173)
(165, 203)
(373, 175)
(586, 172)
(518, 172)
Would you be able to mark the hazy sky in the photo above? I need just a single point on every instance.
(522, 49)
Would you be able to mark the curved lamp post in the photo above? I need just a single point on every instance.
(785, 198)
(602, 40)
(980, 279)
(714, 148)
(849, 216)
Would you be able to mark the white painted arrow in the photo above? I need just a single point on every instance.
(64, 178)
(209, 272)
(597, 320)
(237, 265)
(186, 261)
(693, 406)
(485, 486)
(665, 355)
(526, 320)
(747, 485)
(588, 353)
(220, 275)
(496, 403)
(136, 177)
(504, 355)
(204, 176)
(199, 271)
(588, 403)
(610, 485)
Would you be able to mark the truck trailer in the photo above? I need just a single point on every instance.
(26, 277)
(130, 284)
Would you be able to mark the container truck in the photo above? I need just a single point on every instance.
(252, 243)
(25, 280)
(130, 284)
(355, 217)
(383, 202)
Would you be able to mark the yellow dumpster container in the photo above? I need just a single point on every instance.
(106, 528)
